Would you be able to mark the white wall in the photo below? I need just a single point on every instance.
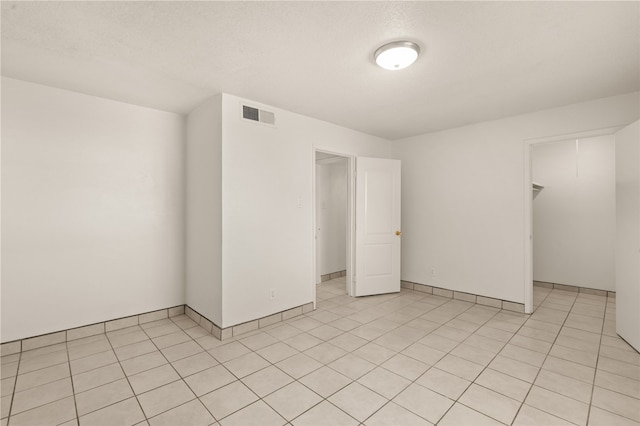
(92, 209)
(574, 216)
(331, 216)
(267, 227)
(203, 251)
(463, 192)
(628, 234)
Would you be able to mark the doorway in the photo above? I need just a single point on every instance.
(535, 189)
(333, 218)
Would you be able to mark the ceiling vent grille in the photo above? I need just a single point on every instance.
(258, 115)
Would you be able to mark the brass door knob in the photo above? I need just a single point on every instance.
(398, 233)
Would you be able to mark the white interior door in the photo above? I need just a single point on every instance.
(377, 268)
(628, 234)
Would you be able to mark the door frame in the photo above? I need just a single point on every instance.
(528, 201)
(351, 160)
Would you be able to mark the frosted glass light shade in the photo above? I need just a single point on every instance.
(397, 55)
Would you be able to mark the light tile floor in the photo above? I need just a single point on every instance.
(399, 359)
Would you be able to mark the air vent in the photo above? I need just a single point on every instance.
(258, 115)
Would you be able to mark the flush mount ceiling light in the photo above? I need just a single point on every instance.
(397, 55)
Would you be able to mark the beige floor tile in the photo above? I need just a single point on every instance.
(172, 339)
(452, 333)
(98, 377)
(127, 412)
(357, 401)
(258, 341)
(494, 333)
(558, 405)
(41, 395)
(535, 333)
(134, 350)
(298, 365)
(229, 351)
(93, 361)
(305, 323)
(154, 378)
(473, 354)
(575, 355)
(524, 355)
(529, 416)
(246, 364)
(600, 417)
(325, 332)
(41, 377)
(459, 367)
(374, 353)
(45, 350)
(490, 345)
(7, 386)
(583, 322)
(293, 400)
(325, 352)
(181, 350)
(424, 402)
(283, 331)
(10, 369)
(577, 344)
(531, 344)
(393, 414)
(345, 324)
(142, 363)
(80, 351)
(209, 342)
(267, 380)
(325, 381)
(194, 364)
(620, 355)
(5, 406)
(165, 398)
(405, 366)
(514, 368)
(569, 369)
(192, 413)
(617, 383)
(352, 366)
(37, 363)
(462, 415)
(621, 368)
(348, 342)
(443, 383)
(54, 413)
(384, 382)
(504, 384)
(277, 352)
(119, 340)
(325, 414)
(162, 330)
(228, 399)
(438, 342)
(303, 341)
(616, 403)
(490, 403)
(564, 385)
(209, 380)
(256, 414)
(103, 396)
(424, 353)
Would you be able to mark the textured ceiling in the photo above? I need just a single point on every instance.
(479, 61)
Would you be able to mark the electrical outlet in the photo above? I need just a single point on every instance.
(432, 272)
(272, 293)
